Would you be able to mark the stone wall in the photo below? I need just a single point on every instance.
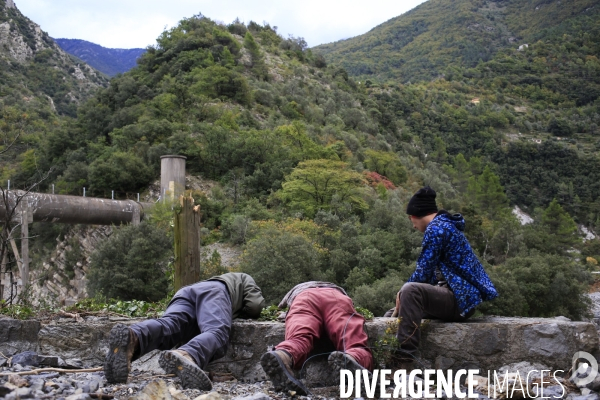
(485, 343)
(62, 278)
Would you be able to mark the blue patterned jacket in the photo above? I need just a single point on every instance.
(446, 247)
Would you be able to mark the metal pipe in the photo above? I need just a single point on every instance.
(77, 210)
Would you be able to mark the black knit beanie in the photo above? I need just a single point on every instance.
(422, 203)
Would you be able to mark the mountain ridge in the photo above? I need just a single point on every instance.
(109, 61)
(28, 54)
(423, 42)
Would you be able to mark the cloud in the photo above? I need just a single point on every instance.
(137, 23)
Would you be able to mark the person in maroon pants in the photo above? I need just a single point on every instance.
(317, 309)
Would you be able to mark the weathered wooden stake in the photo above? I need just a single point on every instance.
(3, 270)
(187, 243)
(26, 219)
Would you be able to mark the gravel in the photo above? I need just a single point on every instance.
(88, 385)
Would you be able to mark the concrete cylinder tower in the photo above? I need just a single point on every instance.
(172, 176)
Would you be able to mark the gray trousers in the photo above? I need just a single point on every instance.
(422, 300)
(199, 315)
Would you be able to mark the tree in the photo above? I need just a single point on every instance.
(313, 184)
(131, 264)
(560, 127)
(14, 129)
(551, 285)
(120, 171)
(258, 61)
(278, 260)
(487, 194)
(387, 164)
(560, 225)
(460, 173)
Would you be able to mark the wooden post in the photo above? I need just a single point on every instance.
(25, 214)
(187, 243)
(3, 290)
(15, 250)
(26, 219)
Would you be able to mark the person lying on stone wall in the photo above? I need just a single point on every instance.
(448, 282)
(200, 316)
(316, 309)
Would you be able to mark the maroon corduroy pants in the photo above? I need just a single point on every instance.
(325, 311)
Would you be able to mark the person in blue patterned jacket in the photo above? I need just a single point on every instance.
(449, 281)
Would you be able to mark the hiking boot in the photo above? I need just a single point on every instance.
(406, 355)
(180, 363)
(123, 343)
(408, 360)
(278, 366)
(339, 360)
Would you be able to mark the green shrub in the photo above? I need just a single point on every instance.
(379, 296)
(131, 264)
(539, 286)
(279, 260)
(123, 172)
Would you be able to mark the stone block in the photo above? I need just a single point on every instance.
(17, 336)
(492, 342)
(26, 358)
(85, 341)
(148, 363)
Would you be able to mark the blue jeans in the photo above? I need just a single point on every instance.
(199, 315)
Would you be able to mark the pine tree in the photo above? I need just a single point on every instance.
(560, 225)
(487, 194)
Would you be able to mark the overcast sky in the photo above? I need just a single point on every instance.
(137, 23)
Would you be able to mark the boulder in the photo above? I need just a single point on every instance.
(17, 336)
(491, 342)
(210, 396)
(155, 390)
(148, 363)
(527, 371)
(26, 358)
(78, 343)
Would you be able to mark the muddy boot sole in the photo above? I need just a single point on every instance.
(339, 361)
(279, 375)
(116, 364)
(191, 375)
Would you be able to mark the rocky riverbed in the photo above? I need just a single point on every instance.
(80, 345)
(148, 382)
(142, 385)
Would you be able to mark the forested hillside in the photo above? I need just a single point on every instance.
(438, 34)
(40, 86)
(105, 60)
(312, 169)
